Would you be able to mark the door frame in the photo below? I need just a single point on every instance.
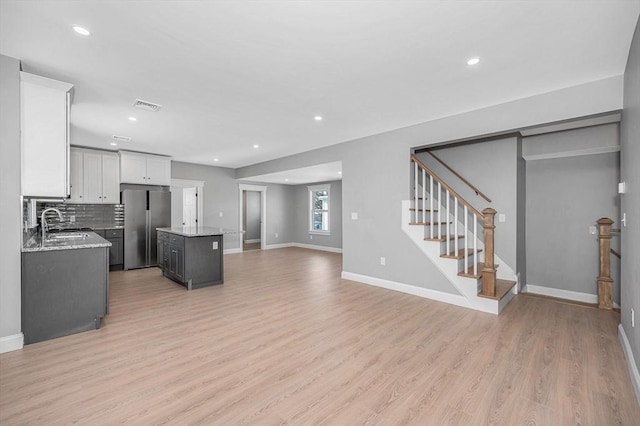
(263, 213)
(199, 185)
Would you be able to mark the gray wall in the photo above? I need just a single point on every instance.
(492, 167)
(220, 195)
(252, 215)
(630, 173)
(375, 174)
(564, 197)
(11, 211)
(301, 217)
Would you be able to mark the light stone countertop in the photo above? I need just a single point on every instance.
(65, 241)
(194, 231)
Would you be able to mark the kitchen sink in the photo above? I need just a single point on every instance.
(67, 236)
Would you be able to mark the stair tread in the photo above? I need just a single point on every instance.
(441, 239)
(502, 288)
(469, 272)
(459, 254)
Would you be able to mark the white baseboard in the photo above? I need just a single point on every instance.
(562, 294)
(232, 251)
(300, 245)
(314, 247)
(439, 296)
(11, 343)
(252, 241)
(631, 362)
(277, 246)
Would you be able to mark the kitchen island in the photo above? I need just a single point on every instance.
(65, 284)
(192, 256)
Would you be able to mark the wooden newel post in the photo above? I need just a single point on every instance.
(605, 282)
(489, 269)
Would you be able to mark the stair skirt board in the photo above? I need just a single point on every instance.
(467, 287)
(440, 296)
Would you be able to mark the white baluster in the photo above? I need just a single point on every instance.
(455, 224)
(431, 205)
(466, 258)
(440, 207)
(447, 219)
(424, 196)
(415, 192)
(475, 245)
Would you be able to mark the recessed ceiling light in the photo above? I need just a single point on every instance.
(318, 118)
(133, 119)
(286, 180)
(216, 159)
(81, 31)
(256, 146)
(114, 144)
(339, 173)
(473, 61)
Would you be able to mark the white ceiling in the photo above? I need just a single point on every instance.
(319, 173)
(231, 74)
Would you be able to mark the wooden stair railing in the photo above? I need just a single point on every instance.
(459, 176)
(605, 282)
(436, 221)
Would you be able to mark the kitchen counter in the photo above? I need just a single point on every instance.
(65, 241)
(193, 231)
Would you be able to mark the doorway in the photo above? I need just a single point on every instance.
(187, 203)
(252, 232)
(251, 220)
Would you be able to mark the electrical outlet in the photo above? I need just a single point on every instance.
(215, 245)
(502, 217)
(592, 230)
(220, 214)
(354, 216)
(383, 261)
(72, 218)
(276, 235)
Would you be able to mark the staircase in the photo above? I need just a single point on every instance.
(459, 240)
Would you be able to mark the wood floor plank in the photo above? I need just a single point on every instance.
(286, 341)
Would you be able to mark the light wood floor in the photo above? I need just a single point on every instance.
(251, 246)
(286, 341)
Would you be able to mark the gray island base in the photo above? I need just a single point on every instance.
(192, 257)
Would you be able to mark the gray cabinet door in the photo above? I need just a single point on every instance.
(116, 251)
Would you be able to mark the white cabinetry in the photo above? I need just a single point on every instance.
(144, 169)
(44, 125)
(94, 176)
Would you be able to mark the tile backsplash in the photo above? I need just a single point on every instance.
(94, 216)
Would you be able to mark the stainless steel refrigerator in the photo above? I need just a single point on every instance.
(145, 209)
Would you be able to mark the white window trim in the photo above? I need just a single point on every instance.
(310, 189)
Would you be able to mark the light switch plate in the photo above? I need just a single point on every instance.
(502, 217)
(354, 216)
(215, 245)
(592, 230)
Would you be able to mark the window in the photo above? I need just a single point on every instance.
(319, 209)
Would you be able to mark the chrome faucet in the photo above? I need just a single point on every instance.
(43, 221)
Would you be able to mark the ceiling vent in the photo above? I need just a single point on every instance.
(149, 106)
(120, 138)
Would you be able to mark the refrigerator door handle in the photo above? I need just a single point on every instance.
(148, 239)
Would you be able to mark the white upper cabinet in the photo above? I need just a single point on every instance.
(144, 169)
(76, 177)
(110, 179)
(44, 125)
(94, 176)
